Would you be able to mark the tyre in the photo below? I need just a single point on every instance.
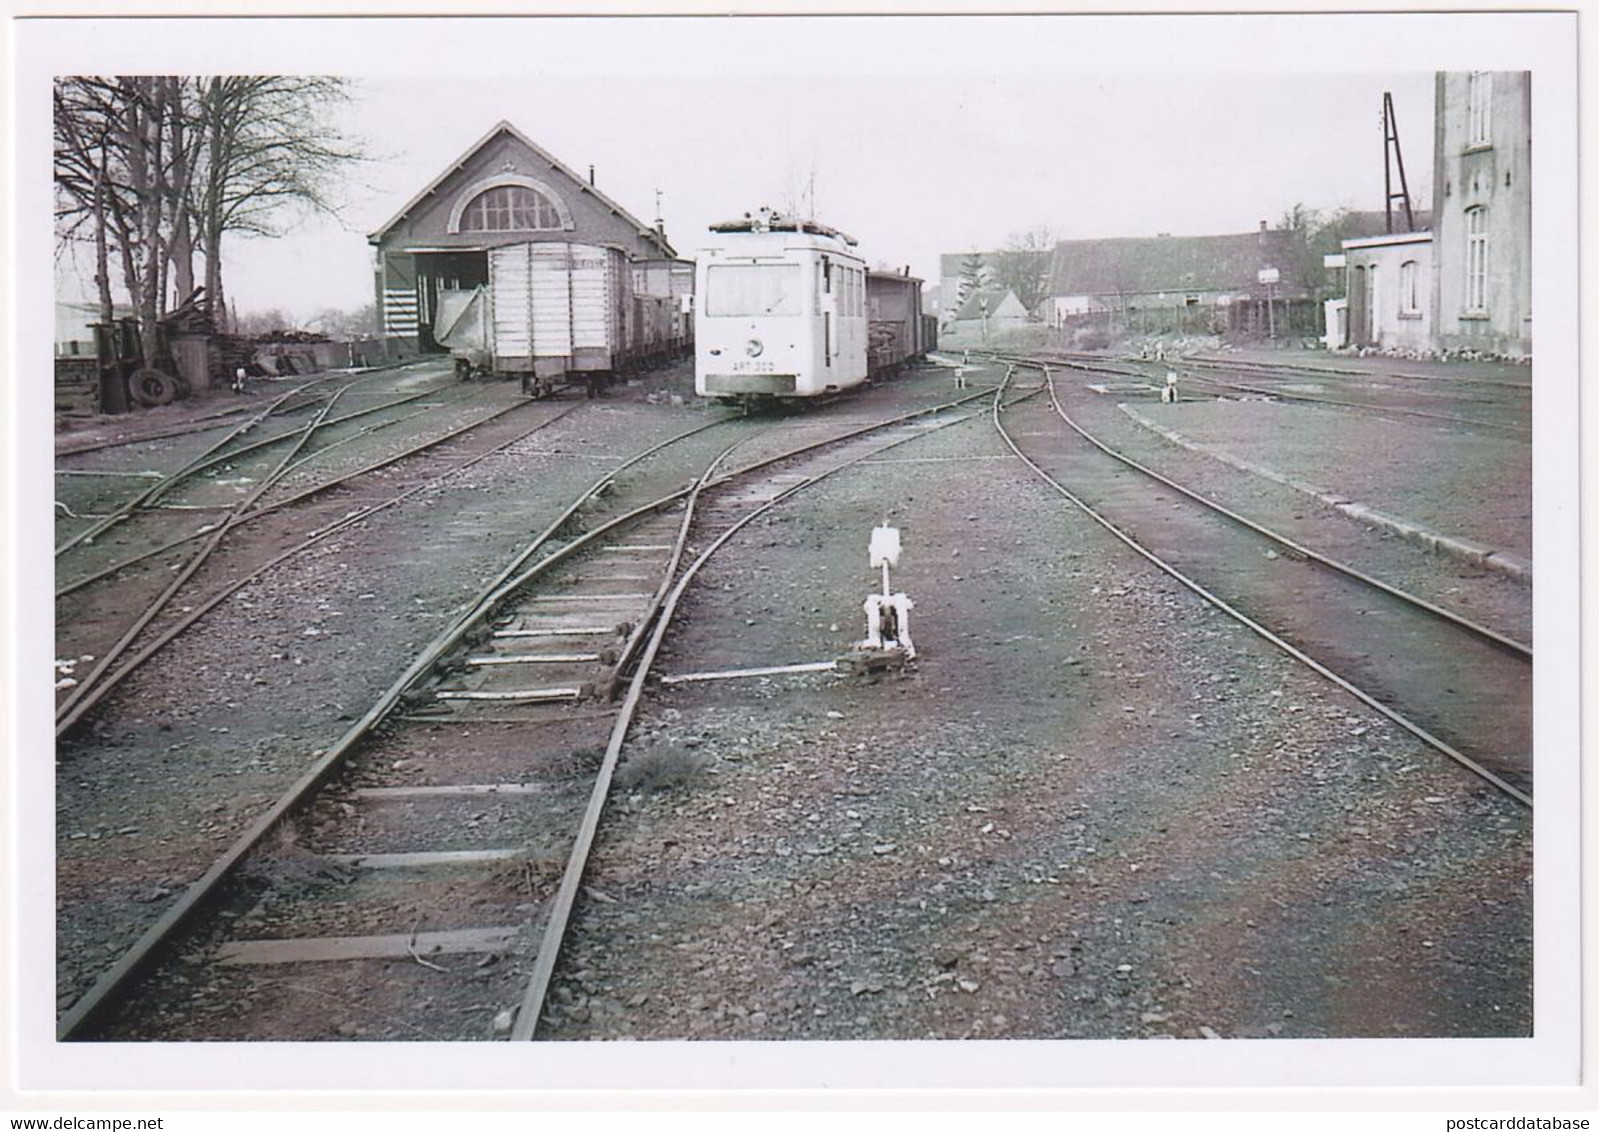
(150, 387)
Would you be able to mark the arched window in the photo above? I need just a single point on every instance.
(1409, 299)
(510, 208)
(1478, 259)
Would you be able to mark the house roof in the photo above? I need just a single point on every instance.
(543, 154)
(1372, 223)
(1388, 241)
(1142, 265)
(993, 296)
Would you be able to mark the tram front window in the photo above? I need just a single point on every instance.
(743, 290)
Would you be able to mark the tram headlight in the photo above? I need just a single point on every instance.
(754, 347)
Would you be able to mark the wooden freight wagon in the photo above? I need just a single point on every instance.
(894, 313)
(671, 320)
(550, 312)
(681, 280)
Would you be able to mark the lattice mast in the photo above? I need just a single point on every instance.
(1393, 163)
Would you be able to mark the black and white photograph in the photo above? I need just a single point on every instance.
(908, 549)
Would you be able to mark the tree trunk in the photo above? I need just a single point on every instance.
(211, 199)
(102, 268)
(150, 223)
(180, 249)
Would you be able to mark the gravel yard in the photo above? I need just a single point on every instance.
(1455, 480)
(1093, 809)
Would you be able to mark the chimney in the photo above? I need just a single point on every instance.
(1263, 225)
(591, 185)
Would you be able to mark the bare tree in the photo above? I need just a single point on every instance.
(151, 169)
(1023, 266)
(1308, 234)
(110, 137)
(272, 321)
(83, 175)
(267, 143)
(344, 325)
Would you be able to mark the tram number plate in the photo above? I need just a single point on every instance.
(754, 367)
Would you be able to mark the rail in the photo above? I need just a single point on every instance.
(1254, 626)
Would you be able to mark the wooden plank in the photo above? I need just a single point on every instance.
(745, 673)
(528, 694)
(336, 948)
(577, 631)
(573, 620)
(548, 658)
(428, 860)
(556, 598)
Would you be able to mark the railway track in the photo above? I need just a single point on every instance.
(210, 422)
(147, 506)
(1243, 365)
(1152, 372)
(219, 567)
(460, 787)
(192, 427)
(1460, 687)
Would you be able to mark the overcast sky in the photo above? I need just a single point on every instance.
(942, 151)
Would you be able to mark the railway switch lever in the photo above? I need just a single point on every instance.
(888, 614)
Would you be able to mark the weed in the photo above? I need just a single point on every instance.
(662, 768)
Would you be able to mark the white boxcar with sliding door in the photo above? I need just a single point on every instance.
(780, 311)
(551, 312)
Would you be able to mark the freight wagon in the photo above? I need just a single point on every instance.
(896, 326)
(554, 312)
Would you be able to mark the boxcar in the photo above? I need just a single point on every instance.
(550, 312)
(657, 332)
(894, 312)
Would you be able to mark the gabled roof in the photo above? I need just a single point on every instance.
(995, 297)
(1143, 265)
(543, 154)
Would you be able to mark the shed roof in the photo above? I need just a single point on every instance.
(544, 155)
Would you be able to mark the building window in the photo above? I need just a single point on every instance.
(1408, 288)
(1478, 93)
(510, 208)
(1477, 259)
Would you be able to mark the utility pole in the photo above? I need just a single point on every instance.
(1393, 162)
